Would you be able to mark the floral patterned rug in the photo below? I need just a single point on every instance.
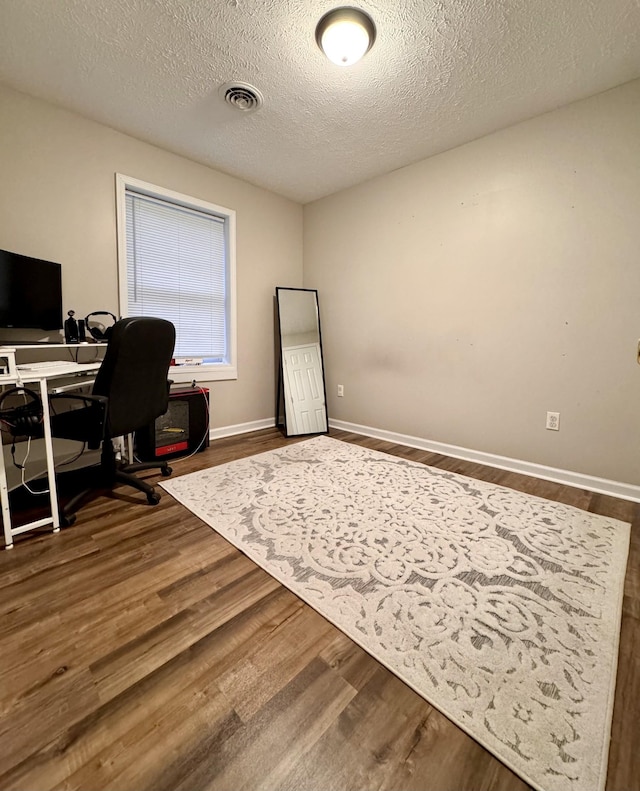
(501, 609)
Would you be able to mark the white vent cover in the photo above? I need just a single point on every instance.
(242, 96)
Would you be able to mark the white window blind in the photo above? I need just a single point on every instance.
(177, 270)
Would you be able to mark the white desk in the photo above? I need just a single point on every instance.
(37, 380)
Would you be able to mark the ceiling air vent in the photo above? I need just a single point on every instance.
(242, 96)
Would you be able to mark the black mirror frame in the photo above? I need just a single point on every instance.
(281, 410)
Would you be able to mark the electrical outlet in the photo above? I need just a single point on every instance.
(340, 391)
(553, 421)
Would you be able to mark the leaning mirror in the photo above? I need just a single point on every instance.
(301, 389)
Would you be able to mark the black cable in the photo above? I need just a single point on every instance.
(75, 458)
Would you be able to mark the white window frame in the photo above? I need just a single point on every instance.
(207, 372)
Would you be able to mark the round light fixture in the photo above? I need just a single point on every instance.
(345, 35)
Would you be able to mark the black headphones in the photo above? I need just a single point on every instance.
(23, 420)
(96, 332)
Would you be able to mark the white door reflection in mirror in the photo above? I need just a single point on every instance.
(301, 367)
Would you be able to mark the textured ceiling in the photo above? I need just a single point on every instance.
(441, 73)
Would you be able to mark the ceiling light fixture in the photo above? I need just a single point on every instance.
(345, 35)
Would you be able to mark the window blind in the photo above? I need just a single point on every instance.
(176, 270)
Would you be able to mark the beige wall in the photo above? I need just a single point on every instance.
(461, 297)
(57, 202)
(464, 296)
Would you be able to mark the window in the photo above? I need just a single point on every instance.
(177, 261)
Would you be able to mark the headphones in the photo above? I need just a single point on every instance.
(96, 332)
(25, 419)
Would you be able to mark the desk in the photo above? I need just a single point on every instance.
(38, 380)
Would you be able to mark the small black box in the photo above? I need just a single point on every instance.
(182, 430)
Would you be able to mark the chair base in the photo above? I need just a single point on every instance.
(109, 474)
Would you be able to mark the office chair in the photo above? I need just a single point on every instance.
(131, 390)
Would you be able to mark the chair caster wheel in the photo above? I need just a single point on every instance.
(166, 471)
(153, 498)
(67, 521)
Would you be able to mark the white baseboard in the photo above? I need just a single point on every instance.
(241, 428)
(624, 491)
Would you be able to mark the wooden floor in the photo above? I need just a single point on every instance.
(140, 650)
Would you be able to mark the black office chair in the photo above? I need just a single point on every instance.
(131, 390)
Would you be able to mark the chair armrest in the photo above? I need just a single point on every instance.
(86, 399)
(85, 423)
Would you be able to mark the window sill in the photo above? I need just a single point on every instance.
(202, 373)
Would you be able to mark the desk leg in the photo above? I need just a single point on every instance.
(4, 500)
(48, 442)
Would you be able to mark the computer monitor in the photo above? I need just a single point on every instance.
(30, 292)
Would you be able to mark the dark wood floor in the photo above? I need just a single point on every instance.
(140, 650)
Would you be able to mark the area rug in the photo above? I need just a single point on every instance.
(501, 609)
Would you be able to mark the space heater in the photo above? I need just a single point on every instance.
(181, 431)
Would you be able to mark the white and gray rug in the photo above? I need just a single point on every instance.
(500, 609)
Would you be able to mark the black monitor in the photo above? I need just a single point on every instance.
(30, 292)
